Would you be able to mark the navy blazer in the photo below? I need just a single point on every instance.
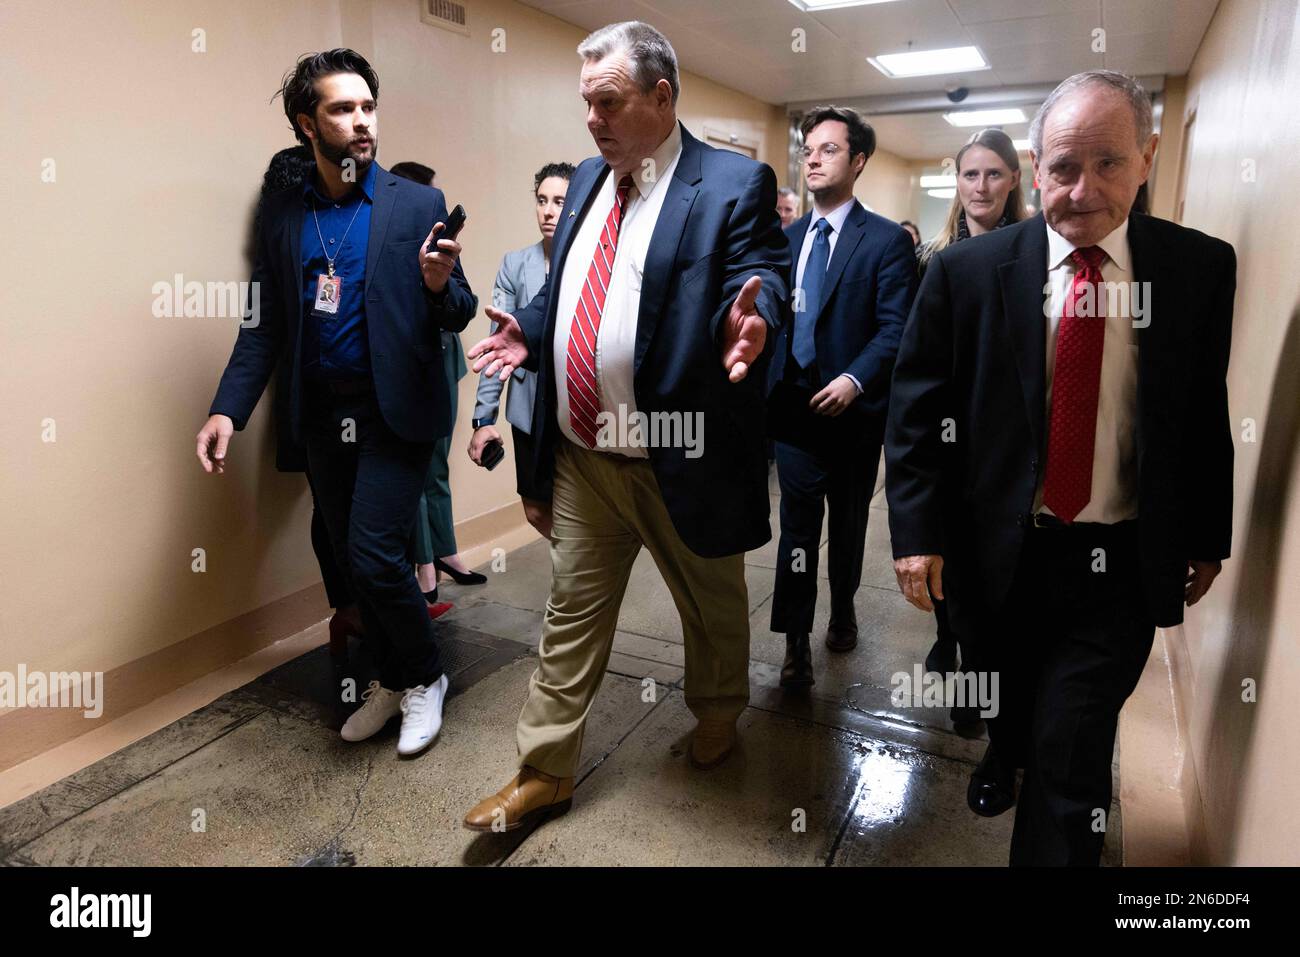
(717, 228)
(870, 284)
(404, 321)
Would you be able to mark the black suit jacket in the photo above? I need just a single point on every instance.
(403, 319)
(974, 350)
(717, 227)
(870, 283)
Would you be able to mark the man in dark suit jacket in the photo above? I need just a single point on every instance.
(348, 284)
(855, 276)
(662, 315)
(1059, 455)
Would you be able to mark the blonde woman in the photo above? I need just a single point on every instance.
(989, 193)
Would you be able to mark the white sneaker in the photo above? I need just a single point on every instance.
(421, 717)
(378, 705)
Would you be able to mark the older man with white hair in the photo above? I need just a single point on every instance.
(668, 269)
(1059, 456)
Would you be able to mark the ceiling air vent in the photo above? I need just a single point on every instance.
(447, 14)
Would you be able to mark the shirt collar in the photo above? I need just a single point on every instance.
(367, 185)
(662, 158)
(1114, 245)
(835, 217)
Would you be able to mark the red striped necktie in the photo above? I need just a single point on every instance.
(580, 367)
(1076, 387)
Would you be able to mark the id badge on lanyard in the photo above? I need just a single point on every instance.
(329, 291)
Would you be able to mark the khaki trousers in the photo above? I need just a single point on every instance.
(605, 508)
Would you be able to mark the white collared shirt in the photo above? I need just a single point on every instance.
(616, 338)
(1114, 460)
(835, 219)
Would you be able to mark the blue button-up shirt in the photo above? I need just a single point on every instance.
(335, 346)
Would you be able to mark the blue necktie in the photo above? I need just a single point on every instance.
(814, 277)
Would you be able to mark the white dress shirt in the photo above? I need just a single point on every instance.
(1114, 460)
(835, 219)
(616, 337)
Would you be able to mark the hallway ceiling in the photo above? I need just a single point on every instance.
(746, 45)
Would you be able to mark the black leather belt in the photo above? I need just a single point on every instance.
(1043, 520)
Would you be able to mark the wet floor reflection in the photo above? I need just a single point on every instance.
(910, 809)
(884, 783)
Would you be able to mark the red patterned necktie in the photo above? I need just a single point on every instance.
(580, 367)
(1076, 385)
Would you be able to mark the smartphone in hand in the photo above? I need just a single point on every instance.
(493, 453)
(455, 223)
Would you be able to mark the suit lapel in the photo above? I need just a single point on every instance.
(380, 215)
(535, 269)
(583, 189)
(795, 234)
(534, 277)
(667, 235)
(1147, 259)
(1023, 280)
(798, 233)
(845, 246)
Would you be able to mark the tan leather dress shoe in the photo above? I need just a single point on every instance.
(712, 742)
(530, 795)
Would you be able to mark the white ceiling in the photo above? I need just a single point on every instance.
(746, 45)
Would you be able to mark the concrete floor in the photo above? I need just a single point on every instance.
(838, 776)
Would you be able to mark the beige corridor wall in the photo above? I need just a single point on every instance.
(136, 157)
(887, 186)
(1243, 86)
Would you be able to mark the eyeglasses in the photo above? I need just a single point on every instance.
(827, 152)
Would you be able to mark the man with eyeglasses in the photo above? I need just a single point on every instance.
(855, 276)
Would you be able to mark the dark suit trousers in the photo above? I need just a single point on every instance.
(1069, 645)
(435, 525)
(337, 589)
(369, 491)
(810, 483)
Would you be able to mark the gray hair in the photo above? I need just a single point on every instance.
(1122, 83)
(785, 191)
(652, 56)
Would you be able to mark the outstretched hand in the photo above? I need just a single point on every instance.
(503, 351)
(744, 331)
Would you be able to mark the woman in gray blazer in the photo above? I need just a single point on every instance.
(520, 277)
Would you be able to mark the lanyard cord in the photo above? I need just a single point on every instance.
(328, 259)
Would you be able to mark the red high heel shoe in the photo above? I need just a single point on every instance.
(436, 608)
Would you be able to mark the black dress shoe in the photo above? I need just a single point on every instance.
(992, 787)
(432, 596)
(460, 578)
(842, 636)
(797, 671)
(942, 657)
